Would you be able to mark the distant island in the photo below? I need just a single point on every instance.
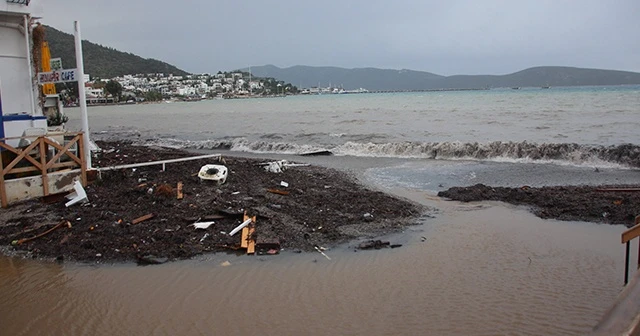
(400, 80)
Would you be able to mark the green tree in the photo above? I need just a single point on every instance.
(114, 88)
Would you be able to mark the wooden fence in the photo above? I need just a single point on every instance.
(35, 157)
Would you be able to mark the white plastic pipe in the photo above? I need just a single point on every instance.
(239, 227)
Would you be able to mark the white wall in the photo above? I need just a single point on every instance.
(15, 84)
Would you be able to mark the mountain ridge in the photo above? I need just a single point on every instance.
(103, 62)
(393, 79)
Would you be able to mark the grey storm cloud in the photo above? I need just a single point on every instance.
(444, 37)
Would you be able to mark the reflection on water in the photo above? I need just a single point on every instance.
(489, 270)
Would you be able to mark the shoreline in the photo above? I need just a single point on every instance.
(323, 208)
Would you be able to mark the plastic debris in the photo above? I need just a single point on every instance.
(284, 184)
(320, 251)
(239, 227)
(78, 196)
(204, 237)
(225, 263)
(202, 225)
(211, 172)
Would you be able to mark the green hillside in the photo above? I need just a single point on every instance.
(103, 62)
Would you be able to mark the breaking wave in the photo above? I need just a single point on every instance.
(625, 155)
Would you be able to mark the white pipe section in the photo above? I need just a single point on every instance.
(240, 227)
(81, 93)
(143, 164)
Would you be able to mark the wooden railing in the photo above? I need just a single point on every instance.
(627, 236)
(35, 157)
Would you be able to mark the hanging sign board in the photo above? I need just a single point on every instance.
(58, 76)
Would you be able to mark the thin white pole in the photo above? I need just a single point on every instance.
(83, 97)
(27, 29)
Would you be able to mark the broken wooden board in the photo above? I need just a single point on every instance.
(179, 194)
(142, 218)
(246, 240)
(245, 235)
(278, 191)
(251, 243)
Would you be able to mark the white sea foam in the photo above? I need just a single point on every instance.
(620, 156)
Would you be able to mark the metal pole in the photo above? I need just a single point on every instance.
(83, 97)
(27, 29)
(626, 263)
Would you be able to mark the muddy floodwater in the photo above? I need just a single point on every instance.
(481, 269)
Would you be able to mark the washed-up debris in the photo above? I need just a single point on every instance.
(239, 227)
(317, 153)
(179, 194)
(423, 239)
(225, 263)
(80, 195)
(151, 260)
(164, 190)
(284, 184)
(367, 217)
(373, 244)
(278, 191)
(320, 251)
(206, 218)
(202, 225)
(204, 237)
(211, 172)
(280, 166)
(142, 218)
(59, 225)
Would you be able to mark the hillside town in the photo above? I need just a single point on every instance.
(158, 86)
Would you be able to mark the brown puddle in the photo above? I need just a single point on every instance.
(484, 269)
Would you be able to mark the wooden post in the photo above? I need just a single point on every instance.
(3, 192)
(43, 166)
(626, 264)
(81, 149)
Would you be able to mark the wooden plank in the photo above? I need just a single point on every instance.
(23, 153)
(61, 152)
(64, 165)
(23, 170)
(278, 191)
(17, 152)
(179, 194)
(142, 218)
(631, 233)
(251, 243)
(243, 239)
(61, 149)
(43, 164)
(83, 161)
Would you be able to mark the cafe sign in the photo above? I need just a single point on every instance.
(58, 76)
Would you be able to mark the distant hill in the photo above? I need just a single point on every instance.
(385, 79)
(103, 62)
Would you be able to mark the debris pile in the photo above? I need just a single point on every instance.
(151, 215)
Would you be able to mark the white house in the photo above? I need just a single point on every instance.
(19, 103)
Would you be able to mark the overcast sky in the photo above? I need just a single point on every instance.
(446, 37)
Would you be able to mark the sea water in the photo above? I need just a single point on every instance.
(483, 268)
